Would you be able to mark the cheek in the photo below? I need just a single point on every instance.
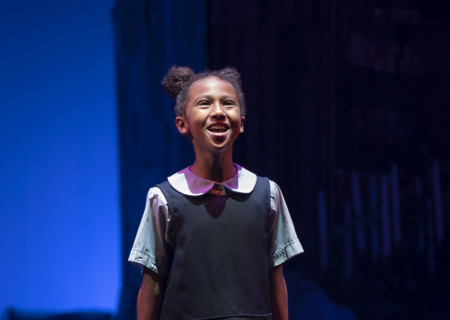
(237, 116)
(194, 121)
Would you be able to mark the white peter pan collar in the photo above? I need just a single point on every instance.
(189, 184)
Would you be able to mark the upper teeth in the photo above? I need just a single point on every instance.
(217, 128)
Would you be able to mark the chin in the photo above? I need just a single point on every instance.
(217, 149)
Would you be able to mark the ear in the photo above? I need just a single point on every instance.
(242, 125)
(182, 127)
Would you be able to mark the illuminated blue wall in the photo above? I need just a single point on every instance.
(59, 205)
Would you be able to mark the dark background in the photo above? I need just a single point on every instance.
(348, 111)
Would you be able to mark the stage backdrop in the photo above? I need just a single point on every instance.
(59, 207)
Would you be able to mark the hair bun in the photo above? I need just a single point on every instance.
(230, 72)
(175, 80)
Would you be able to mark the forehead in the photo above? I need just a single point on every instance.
(211, 86)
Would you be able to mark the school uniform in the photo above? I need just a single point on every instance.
(215, 244)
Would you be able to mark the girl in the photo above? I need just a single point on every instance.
(214, 236)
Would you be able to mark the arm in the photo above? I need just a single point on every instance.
(283, 245)
(149, 246)
(278, 294)
(150, 296)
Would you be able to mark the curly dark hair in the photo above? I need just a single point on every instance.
(179, 79)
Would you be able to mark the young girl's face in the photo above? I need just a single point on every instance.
(212, 118)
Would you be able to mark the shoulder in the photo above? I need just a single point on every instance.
(275, 190)
(276, 196)
(155, 195)
(247, 177)
(274, 187)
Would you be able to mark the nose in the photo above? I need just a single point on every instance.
(217, 112)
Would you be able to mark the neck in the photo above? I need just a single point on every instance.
(214, 167)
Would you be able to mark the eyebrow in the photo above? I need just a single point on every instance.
(211, 97)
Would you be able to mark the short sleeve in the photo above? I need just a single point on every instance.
(283, 241)
(150, 246)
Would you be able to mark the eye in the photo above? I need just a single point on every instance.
(229, 103)
(203, 103)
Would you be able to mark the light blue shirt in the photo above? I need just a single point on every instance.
(149, 248)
